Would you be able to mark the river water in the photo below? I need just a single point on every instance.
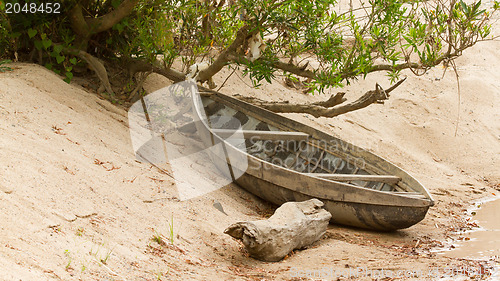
(484, 242)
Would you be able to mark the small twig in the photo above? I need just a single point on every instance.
(132, 95)
(227, 78)
(156, 166)
(243, 81)
(458, 91)
(110, 271)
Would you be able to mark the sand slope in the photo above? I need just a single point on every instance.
(75, 205)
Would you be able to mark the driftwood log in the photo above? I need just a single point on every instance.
(294, 225)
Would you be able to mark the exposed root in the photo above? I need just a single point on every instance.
(98, 68)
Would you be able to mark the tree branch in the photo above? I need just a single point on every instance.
(225, 56)
(289, 67)
(301, 71)
(170, 73)
(107, 21)
(95, 64)
(330, 108)
(287, 107)
(338, 98)
(137, 65)
(79, 26)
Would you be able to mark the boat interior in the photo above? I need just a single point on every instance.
(296, 150)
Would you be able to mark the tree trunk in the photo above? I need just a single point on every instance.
(107, 21)
(84, 28)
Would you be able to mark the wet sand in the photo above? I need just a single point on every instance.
(484, 242)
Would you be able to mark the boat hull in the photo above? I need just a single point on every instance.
(369, 216)
(278, 185)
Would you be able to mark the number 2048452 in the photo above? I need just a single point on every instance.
(32, 8)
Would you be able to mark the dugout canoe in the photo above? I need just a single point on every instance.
(290, 161)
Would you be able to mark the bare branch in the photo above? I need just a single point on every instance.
(330, 108)
(170, 73)
(338, 98)
(289, 67)
(286, 107)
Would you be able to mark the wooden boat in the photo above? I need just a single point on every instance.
(290, 161)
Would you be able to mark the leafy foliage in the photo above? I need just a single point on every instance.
(358, 41)
(36, 34)
(339, 45)
(4, 68)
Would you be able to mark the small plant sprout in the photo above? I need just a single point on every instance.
(161, 274)
(91, 252)
(108, 255)
(98, 257)
(171, 230)
(157, 237)
(79, 231)
(67, 254)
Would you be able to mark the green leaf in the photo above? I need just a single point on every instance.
(119, 27)
(46, 43)
(73, 60)
(38, 44)
(32, 32)
(15, 34)
(465, 8)
(479, 13)
(60, 59)
(48, 66)
(58, 48)
(478, 4)
(69, 68)
(69, 75)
